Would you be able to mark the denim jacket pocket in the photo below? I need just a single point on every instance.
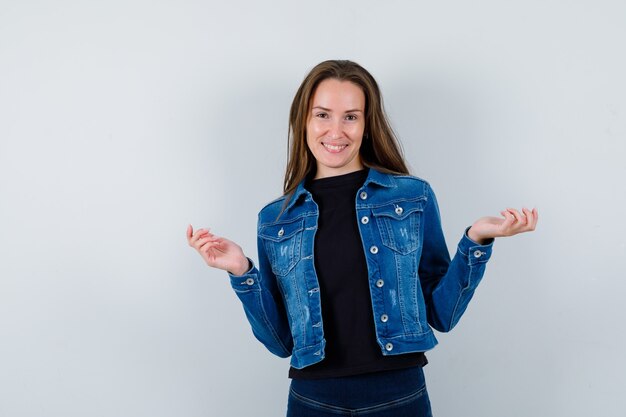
(399, 224)
(282, 242)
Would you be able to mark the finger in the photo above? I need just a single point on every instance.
(531, 220)
(528, 218)
(205, 235)
(200, 233)
(516, 214)
(535, 213)
(528, 215)
(206, 247)
(193, 237)
(520, 220)
(204, 240)
(509, 218)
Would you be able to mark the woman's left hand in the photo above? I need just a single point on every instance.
(513, 223)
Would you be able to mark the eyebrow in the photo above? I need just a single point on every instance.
(329, 110)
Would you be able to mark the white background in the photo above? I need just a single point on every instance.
(123, 121)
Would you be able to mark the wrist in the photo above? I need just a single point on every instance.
(481, 240)
(242, 267)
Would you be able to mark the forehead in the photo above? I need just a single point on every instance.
(333, 93)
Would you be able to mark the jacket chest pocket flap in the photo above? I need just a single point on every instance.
(283, 243)
(399, 224)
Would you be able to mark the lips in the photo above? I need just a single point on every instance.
(334, 148)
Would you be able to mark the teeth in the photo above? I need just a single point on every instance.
(334, 147)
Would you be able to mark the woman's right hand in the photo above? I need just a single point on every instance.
(218, 252)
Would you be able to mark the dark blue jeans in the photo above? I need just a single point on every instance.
(397, 393)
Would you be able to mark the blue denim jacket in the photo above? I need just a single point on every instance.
(413, 283)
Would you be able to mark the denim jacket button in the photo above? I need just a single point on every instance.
(389, 347)
(399, 210)
(281, 232)
(365, 220)
(384, 318)
(374, 250)
(249, 281)
(380, 283)
(477, 253)
(363, 195)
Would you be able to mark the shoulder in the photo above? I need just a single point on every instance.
(411, 188)
(271, 210)
(410, 180)
(410, 184)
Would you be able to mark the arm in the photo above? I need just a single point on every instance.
(257, 289)
(448, 285)
(263, 304)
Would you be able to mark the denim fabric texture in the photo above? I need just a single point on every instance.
(397, 393)
(414, 285)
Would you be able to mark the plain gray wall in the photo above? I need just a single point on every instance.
(123, 121)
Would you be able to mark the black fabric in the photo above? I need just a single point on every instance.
(351, 346)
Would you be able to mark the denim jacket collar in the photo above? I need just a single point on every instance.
(298, 192)
(374, 176)
(377, 177)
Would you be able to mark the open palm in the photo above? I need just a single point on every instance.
(218, 252)
(511, 223)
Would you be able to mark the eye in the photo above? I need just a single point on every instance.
(351, 117)
(321, 115)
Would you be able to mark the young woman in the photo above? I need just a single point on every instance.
(353, 272)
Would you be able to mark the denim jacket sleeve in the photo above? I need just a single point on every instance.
(448, 285)
(263, 304)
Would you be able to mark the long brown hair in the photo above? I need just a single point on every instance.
(380, 148)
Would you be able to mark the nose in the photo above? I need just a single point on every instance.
(335, 130)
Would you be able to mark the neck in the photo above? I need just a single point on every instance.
(325, 172)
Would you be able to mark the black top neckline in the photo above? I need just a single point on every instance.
(342, 180)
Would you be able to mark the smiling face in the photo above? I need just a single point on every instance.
(335, 127)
